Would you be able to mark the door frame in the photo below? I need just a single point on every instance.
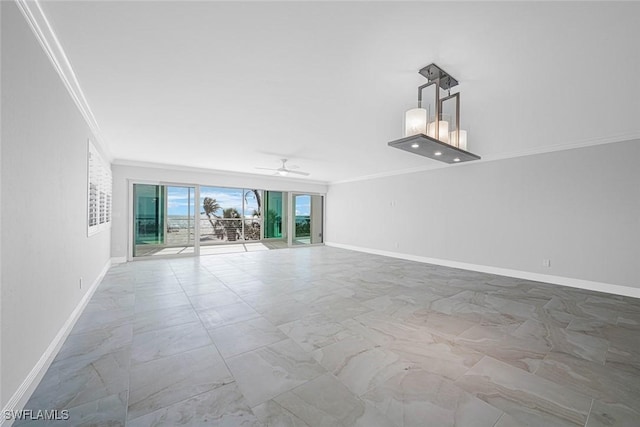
(131, 218)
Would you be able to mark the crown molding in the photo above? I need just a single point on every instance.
(37, 20)
(510, 155)
(193, 169)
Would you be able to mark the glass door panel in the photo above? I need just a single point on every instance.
(148, 216)
(273, 213)
(302, 222)
(252, 214)
(308, 219)
(164, 220)
(220, 215)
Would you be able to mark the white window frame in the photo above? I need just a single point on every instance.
(99, 191)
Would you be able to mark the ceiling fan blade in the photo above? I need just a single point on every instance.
(299, 173)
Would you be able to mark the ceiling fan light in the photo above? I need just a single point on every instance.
(283, 172)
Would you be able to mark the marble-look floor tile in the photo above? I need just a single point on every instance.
(159, 319)
(91, 321)
(149, 290)
(162, 382)
(227, 314)
(241, 337)
(324, 401)
(568, 303)
(314, 331)
(396, 343)
(339, 308)
(285, 311)
(109, 411)
(507, 420)
(398, 307)
(612, 415)
(75, 381)
(222, 406)
(528, 398)
(437, 355)
(91, 345)
(202, 288)
(499, 343)
(214, 299)
(564, 341)
(414, 397)
(384, 330)
(265, 373)
(439, 323)
(165, 342)
(111, 302)
(271, 414)
(359, 364)
(155, 302)
(601, 382)
(624, 345)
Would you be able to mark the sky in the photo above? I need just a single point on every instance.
(178, 200)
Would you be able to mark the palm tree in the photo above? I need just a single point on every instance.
(258, 200)
(232, 227)
(211, 206)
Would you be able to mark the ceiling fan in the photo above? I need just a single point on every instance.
(284, 171)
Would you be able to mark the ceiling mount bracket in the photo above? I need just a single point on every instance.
(432, 72)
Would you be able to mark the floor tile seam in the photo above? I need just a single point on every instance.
(589, 413)
(184, 400)
(235, 322)
(148, 312)
(100, 328)
(578, 391)
(213, 343)
(291, 390)
(260, 348)
(164, 328)
(500, 417)
(203, 326)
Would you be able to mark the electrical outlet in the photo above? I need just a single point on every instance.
(546, 263)
(81, 283)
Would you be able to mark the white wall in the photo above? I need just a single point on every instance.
(45, 249)
(123, 173)
(579, 208)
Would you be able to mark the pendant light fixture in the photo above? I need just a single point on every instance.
(436, 137)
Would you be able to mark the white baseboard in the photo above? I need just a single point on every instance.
(546, 278)
(118, 260)
(28, 386)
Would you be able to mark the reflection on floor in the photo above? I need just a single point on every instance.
(320, 336)
(142, 250)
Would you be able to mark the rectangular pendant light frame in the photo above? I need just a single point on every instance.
(428, 147)
(425, 145)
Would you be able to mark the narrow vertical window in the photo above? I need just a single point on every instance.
(98, 191)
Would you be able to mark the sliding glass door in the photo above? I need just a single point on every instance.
(308, 214)
(164, 221)
(229, 215)
(273, 215)
(174, 219)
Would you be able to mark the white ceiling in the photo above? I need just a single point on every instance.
(235, 85)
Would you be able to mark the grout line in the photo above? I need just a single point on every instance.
(589, 414)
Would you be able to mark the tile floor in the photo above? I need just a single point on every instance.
(320, 336)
